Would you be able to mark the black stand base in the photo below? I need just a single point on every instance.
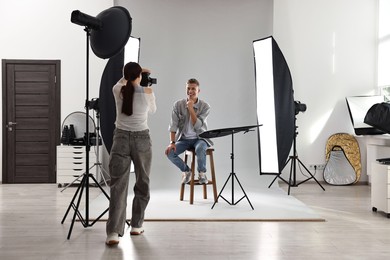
(233, 176)
(84, 221)
(292, 182)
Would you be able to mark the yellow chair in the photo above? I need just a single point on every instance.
(194, 181)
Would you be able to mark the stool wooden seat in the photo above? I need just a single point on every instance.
(194, 181)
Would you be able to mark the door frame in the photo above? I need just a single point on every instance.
(5, 107)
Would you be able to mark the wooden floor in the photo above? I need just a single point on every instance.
(30, 228)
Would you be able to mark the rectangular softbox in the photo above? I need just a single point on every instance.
(358, 107)
(275, 105)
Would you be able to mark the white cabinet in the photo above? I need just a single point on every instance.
(380, 188)
(71, 163)
(372, 147)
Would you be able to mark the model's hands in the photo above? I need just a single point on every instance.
(190, 104)
(169, 148)
(190, 107)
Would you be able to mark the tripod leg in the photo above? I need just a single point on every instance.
(100, 187)
(78, 177)
(292, 175)
(69, 184)
(273, 181)
(76, 207)
(108, 197)
(312, 176)
(219, 195)
(245, 196)
(71, 203)
(278, 175)
(102, 171)
(105, 194)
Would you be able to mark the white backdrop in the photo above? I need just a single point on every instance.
(211, 41)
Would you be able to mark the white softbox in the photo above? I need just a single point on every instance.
(275, 106)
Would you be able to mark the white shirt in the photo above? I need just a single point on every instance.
(143, 104)
(189, 132)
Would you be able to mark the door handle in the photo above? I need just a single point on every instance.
(9, 125)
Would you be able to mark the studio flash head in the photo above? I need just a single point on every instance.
(93, 104)
(86, 20)
(146, 80)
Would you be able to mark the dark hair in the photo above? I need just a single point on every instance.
(193, 81)
(131, 71)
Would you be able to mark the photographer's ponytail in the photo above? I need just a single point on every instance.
(127, 94)
(131, 71)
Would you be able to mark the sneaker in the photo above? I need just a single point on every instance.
(136, 230)
(112, 239)
(186, 177)
(203, 178)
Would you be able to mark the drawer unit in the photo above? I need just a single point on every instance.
(71, 163)
(380, 188)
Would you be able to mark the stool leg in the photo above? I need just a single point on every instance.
(182, 191)
(205, 187)
(183, 185)
(192, 183)
(213, 176)
(192, 180)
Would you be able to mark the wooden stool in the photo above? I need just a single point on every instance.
(194, 181)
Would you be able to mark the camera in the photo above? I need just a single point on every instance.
(147, 80)
(299, 107)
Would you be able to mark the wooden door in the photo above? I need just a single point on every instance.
(31, 120)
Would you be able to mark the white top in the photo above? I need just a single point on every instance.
(143, 104)
(189, 132)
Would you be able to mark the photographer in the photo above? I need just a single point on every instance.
(131, 143)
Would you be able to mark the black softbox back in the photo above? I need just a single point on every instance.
(378, 116)
(284, 104)
(112, 73)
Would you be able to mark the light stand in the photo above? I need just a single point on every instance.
(109, 33)
(84, 184)
(292, 182)
(97, 163)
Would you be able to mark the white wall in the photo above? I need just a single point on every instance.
(330, 46)
(41, 29)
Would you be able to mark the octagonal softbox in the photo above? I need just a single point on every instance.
(114, 33)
